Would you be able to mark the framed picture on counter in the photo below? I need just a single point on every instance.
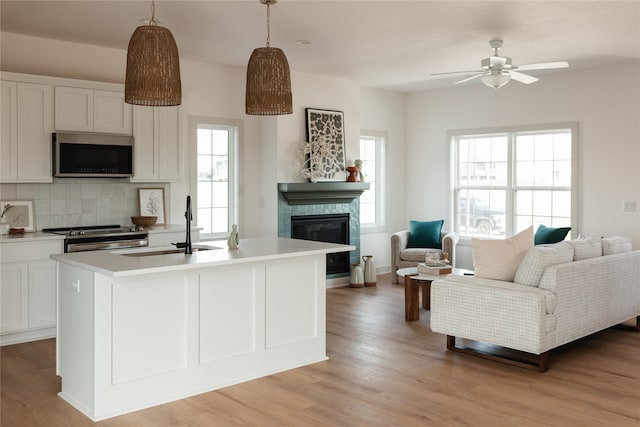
(152, 203)
(18, 214)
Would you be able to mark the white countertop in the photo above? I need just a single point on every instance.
(118, 264)
(29, 237)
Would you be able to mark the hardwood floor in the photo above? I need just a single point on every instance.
(382, 371)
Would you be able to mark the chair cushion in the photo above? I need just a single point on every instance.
(615, 245)
(585, 248)
(547, 235)
(425, 234)
(499, 259)
(538, 258)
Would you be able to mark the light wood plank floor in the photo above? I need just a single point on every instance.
(382, 372)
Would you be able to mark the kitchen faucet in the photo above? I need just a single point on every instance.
(189, 216)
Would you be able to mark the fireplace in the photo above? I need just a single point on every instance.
(331, 228)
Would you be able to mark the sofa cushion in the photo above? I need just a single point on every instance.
(615, 245)
(547, 235)
(499, 259)
(585, 248)
(538, 258)
(425, 234)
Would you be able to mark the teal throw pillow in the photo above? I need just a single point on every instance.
(425, 234)
(547, 235)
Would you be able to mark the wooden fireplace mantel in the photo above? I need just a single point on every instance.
(309, 193)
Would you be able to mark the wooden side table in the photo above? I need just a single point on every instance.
(412, 282)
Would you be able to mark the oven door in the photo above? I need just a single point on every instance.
(96, 244)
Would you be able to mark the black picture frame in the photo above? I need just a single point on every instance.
(328, 125)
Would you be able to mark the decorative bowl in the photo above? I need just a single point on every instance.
(144, 221)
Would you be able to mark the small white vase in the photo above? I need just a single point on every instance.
(234, 238)
(4, 228)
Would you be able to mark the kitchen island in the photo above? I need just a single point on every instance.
(141, 328)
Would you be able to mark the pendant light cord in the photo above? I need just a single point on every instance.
(153, 13)
(268, 24)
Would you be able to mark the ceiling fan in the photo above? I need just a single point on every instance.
(496, 70)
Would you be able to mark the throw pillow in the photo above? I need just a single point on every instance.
(425, 234)
(547, 235)
(586, 247)
(538, 258)
(499, 259)
(615, 245)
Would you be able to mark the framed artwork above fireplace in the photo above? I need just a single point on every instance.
(326, 139)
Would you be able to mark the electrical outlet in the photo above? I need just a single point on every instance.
(628, 205)
(75, 286)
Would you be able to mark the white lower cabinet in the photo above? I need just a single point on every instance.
(28, 291)
(14, 291)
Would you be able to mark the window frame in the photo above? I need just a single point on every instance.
(381, 139)
(511, 188)
(235, 128)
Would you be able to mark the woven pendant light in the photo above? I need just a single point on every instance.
(153, 67)
(268, 89)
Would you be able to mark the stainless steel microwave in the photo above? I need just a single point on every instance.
(92, 155)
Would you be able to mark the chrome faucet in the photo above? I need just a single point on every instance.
(188, 214)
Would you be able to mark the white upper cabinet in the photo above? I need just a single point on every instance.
(27, 124)
(9, 131)
(157, 146)
(90, 110)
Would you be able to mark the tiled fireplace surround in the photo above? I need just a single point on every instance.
(286, 211)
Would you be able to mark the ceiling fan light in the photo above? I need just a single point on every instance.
(495, 80)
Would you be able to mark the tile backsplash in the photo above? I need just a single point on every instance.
(81, 201)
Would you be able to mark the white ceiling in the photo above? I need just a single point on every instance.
(386, 44)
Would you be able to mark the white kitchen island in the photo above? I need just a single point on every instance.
(138, 331)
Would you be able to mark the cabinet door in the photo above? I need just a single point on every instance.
(145, 164)
(35, 125)
(42, 293)
(157, 149)
(169, 146)
(110, 113)
(74, 109)
(14, 297)
(9, 131)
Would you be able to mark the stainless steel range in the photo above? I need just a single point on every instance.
(100, 237)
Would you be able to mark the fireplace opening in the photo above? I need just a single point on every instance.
(330, 228)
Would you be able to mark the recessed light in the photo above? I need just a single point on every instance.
(303, 42)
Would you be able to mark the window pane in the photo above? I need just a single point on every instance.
(204, 194)
(540, 193)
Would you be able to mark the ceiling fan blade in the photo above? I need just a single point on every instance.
(469, 78)
(543, 66)
(522, 78)
(457, 72)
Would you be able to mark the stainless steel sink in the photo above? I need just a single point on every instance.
(171, 251)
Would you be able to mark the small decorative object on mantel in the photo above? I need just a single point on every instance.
(358, 164)
(326, 139)
(234, 238)
(353, 174)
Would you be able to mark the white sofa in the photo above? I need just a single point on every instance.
(571, 300)
(403, 257)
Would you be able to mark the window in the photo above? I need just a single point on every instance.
(507, 180)
(371, 202)
(216, 144)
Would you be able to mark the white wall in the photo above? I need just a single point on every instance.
(385, 111)
(606, 104)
